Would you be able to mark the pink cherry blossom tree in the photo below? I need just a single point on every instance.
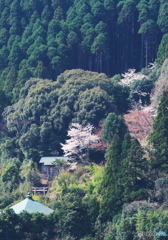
(80, 142)
(130, 77)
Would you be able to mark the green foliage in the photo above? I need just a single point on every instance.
(159, 193)
(10, 174)
(137, 225)
(42, 39)
(127, 11)
(78, 209)
(158, 137)
(76, 213)
(141, 90)
(111, 189)
(10, 82)
(113, 124)
(147, 27)
(162, 17)
(15, 55)
(92, 105)
(40, 70)
(124, 178)
(24, 74)
(40, 119)
(82, 33)
(16, 180)
(160, 85)
(126, 144)
(34, 226)
(163, 49)
(93, 185)
(134, 175)
(3, 102)
(90, 181)
(30, 175)
(70, 209)
(153, 221)
(60, 163)
(99, 43)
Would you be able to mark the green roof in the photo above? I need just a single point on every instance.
(50, 160)
(31, 206)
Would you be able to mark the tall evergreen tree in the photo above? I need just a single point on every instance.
(111, 189)
(159, 136)
(10, 82)
(40, 70)
(163, 49)
(23, 75)
(15, 55)
(133, 167)
(126, 145)
(163, 16)
(113, 124)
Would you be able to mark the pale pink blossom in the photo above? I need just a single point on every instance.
(130, 77)
(80, 141)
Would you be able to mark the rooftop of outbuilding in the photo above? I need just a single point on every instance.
(31, 206)
(50, 160)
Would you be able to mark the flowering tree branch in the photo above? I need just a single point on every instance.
(80, 141)
(130, 77)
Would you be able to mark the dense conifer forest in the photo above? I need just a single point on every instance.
(43, 38)
(88, 79)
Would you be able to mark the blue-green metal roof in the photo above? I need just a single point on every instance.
(50, 160)
(31, 206)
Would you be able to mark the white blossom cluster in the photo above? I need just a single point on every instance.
(80, 141)
(130, 77)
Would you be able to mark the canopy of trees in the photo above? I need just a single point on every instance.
(39, 121)
(57, 61)
(45, 38)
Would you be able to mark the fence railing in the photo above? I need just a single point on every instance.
(39, 189)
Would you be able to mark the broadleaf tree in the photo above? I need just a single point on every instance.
(80, 141)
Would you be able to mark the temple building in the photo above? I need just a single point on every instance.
(31, 206)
